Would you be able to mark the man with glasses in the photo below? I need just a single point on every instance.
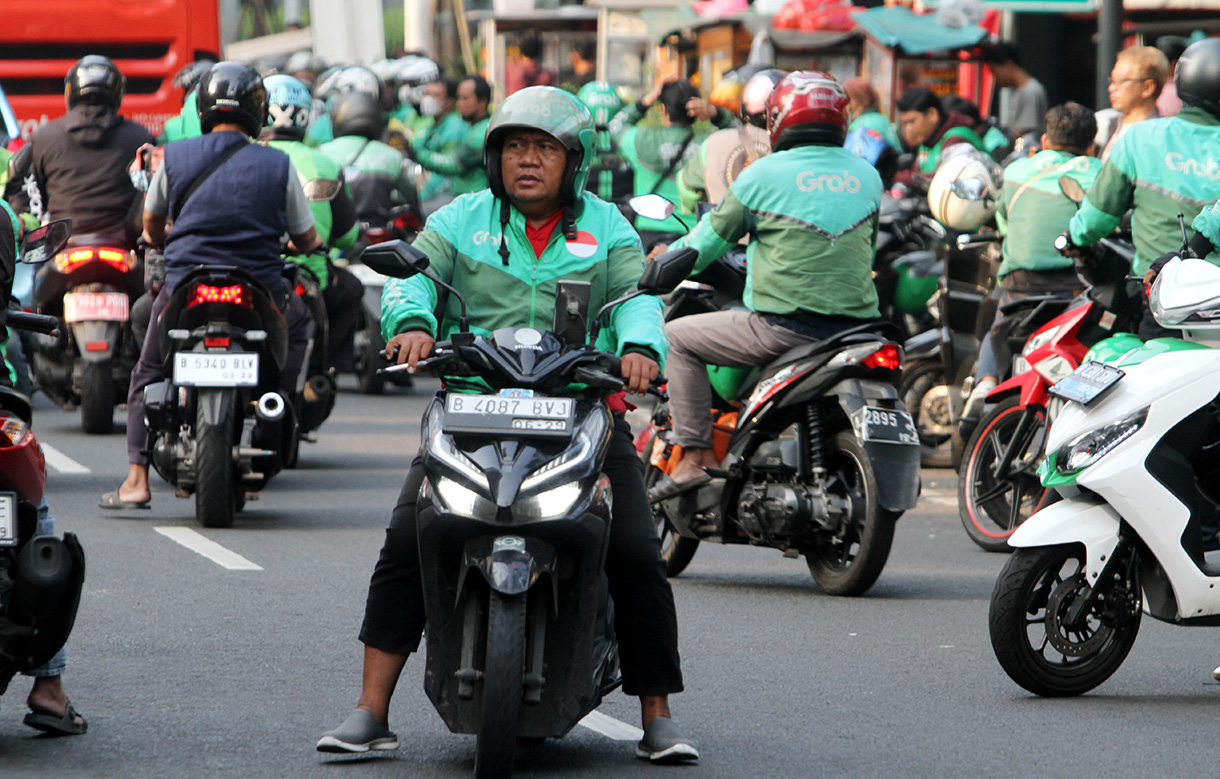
(1135, 83)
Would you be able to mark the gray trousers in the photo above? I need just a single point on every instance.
(734, 339)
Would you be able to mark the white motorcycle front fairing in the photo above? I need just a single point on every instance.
(1172, 386)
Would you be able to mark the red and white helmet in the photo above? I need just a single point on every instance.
(807, 107)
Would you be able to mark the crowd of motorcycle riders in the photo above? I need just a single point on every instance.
(796, 165)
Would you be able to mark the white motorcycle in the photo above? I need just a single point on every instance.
(1136, 455)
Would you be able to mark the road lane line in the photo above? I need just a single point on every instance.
(611, 728)
(208, 548)
(60, 461)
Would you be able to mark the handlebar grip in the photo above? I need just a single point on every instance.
(39, 323)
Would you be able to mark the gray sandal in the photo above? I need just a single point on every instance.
(360, 732)
(663, 742)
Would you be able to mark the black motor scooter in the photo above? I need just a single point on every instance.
(514, 518)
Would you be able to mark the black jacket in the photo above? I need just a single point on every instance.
(76, 166)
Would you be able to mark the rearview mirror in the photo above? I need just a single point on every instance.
(396, 259)
(44, 243)
(321, 190)
(651, 207)
(667, 271)
(1071, 189)
(969, 189)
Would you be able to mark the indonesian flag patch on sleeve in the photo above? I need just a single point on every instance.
(584, 246)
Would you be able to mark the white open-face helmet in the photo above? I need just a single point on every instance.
(965, 190)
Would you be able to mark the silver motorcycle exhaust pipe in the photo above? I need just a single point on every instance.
(270, 407)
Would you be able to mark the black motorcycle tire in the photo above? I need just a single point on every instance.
(369, 348)
(503, 684)
(918, 380)
(97, 398)
(851, 561)
(215, 490)
(676, 550)
(1031, 580)
(987, 516)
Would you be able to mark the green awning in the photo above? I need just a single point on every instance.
(898, 28)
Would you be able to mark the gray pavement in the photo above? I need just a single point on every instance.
(185, 668)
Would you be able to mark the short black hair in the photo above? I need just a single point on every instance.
(586, 49)
(1071, 126)
(920, 99)
(451, 85)
(674, 97)
(482, 90)
(1172, 46)
(962, 106)
(1001, 53)
(530, 45)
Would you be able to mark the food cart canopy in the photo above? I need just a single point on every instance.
(898, 28)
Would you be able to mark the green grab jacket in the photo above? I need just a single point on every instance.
(452, 152)
(462, 241)
(1043, 210)
(312, 164)
(1159, 167)
(813, 213)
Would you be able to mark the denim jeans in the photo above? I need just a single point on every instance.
(57, 664)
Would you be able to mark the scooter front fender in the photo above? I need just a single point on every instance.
(1073, 521)
(1031, 387)
(94, 333)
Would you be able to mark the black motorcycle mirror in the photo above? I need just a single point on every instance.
(662, 276)
(1071, 188)
(654, 207)
(400, 260)
(44, 243)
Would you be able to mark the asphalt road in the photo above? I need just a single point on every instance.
(186, 668)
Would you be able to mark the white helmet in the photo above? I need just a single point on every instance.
(965, 189)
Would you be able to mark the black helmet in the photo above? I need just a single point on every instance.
(188, 78)
(94, 79)
(232, 93)
(357, 113)
(1198, 75)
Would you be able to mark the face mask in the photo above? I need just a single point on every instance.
(430, 106)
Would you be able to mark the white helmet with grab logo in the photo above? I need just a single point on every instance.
(966, 188)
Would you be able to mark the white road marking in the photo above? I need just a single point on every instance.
(60, 461)
(611, 728)
(208, 548)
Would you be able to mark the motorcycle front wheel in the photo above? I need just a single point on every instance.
(97, 398)
(992, 506)
(503, 683)
(215, 501)
(1032, 632)
(849, 561)
(676, 550)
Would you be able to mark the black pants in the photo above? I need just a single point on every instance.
(342, 296)
(644, 616)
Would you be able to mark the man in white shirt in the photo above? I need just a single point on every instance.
(1136, 81)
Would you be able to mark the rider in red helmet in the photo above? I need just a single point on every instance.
(811, 209)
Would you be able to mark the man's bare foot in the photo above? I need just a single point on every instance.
(692, 465)
(134, 488)
(47, 697)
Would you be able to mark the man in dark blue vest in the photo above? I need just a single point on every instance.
(235, 215)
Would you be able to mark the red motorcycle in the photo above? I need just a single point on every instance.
(998, 486)
(40, 577)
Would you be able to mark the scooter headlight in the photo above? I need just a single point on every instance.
(460, 501)
(548, 504)
(1087, 448)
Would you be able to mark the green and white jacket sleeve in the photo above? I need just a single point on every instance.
(1111, 195)
(640, 322)
(717, 232)
(410, 304)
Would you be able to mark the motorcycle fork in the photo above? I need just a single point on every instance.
(472, 637)
(1018, 442)
(1119, 568)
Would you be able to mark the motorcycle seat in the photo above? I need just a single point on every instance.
(116, 239)
(870, 331)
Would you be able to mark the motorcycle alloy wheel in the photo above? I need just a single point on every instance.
(503, 684)
(850, 560)
(1031, 635)
(991, 507)
(925, 395)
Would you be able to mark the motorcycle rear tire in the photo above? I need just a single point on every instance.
(369, 348)
(851, 561)
(676, 550)
(989, 524)
(215, 496)
(97, 398)
(503, 685)
(1031, 580)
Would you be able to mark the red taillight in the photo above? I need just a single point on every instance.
(208, 294)
(888, 357)
(71, 260)
(218, 341)
(407, 221)
(97, 346)
(300, 290)
(377, 235)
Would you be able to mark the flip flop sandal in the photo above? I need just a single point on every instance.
(113, 502)
(58, 726)
(667, 488)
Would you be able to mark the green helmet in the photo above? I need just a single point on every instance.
(555, 112)
(602, 100)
